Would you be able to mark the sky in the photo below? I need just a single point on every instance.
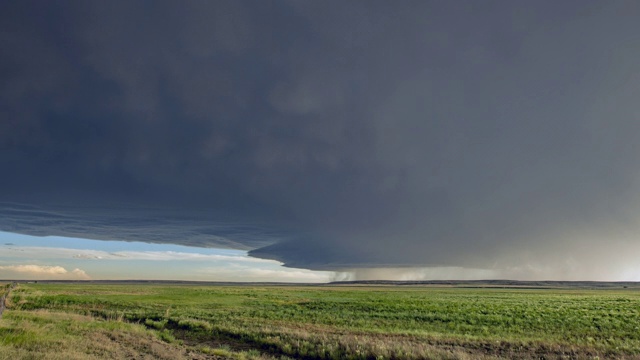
(25, 257)
(315, 140)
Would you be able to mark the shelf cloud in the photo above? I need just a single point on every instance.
(329, 135)
(38, 252)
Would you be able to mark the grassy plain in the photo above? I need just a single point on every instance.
(318, 322)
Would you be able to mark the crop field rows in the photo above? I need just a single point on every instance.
(317, 322)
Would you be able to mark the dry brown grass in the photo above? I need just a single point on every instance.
(47, 335)
(60, 336)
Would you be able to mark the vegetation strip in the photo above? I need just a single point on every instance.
(5, 295)
(360, 322)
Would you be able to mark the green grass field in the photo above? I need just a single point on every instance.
(317, 322)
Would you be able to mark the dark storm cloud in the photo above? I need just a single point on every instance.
(328, 135)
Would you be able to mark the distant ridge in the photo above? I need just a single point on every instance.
(500, 283)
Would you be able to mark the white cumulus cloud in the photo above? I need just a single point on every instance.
(44, 272)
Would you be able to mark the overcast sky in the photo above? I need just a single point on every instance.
(407, 139)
